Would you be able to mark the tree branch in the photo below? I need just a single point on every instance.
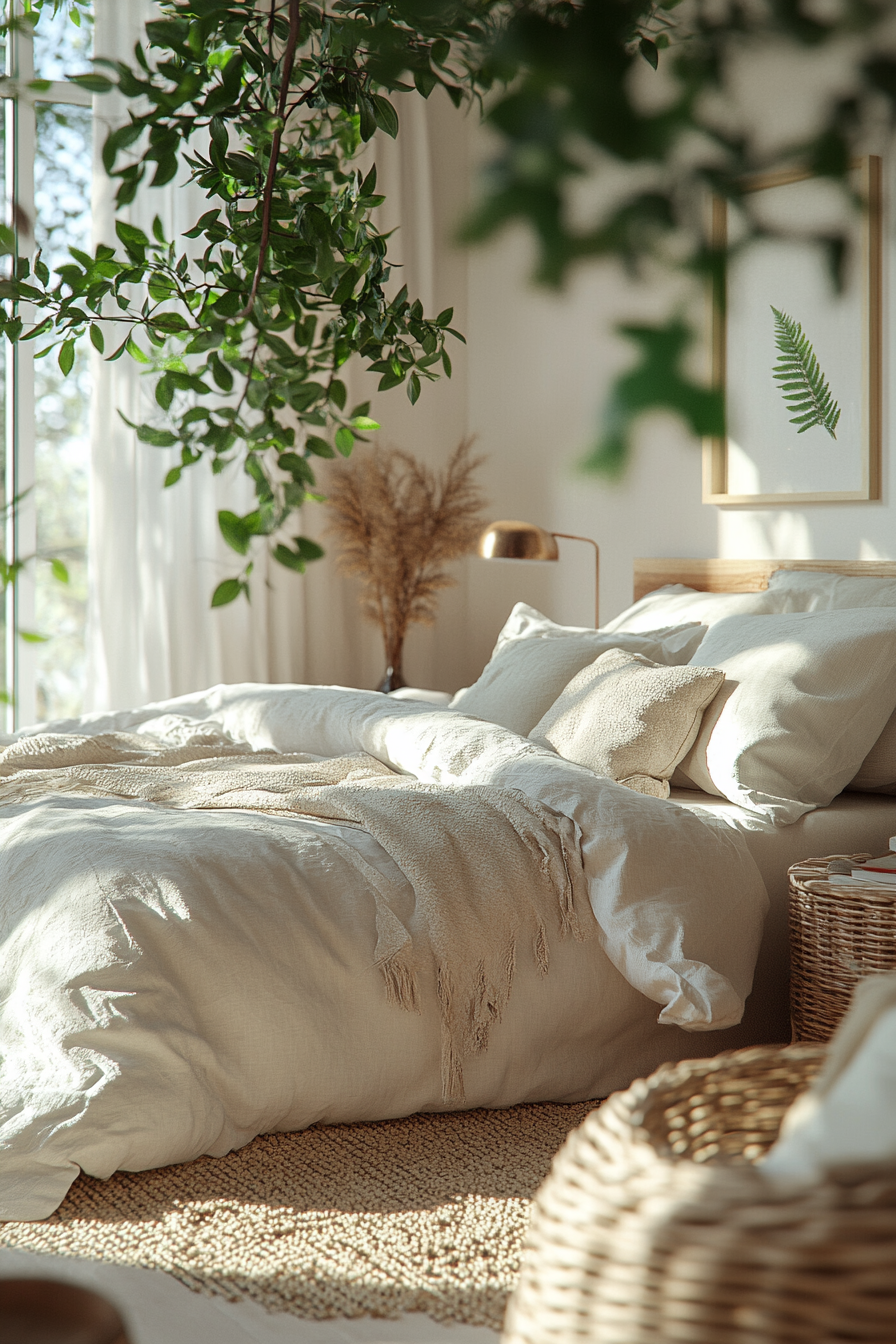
(289, 53)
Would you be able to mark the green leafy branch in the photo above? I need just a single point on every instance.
(802, 383)
(266, 108)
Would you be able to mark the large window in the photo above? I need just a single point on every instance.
(47, 159)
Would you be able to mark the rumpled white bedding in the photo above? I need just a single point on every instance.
(174, 982)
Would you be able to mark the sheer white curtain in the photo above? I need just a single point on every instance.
(155, 555)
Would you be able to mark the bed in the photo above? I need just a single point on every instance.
(255, 909)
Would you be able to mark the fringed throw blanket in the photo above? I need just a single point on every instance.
(491, 869)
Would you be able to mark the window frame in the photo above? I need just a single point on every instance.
(20, 130)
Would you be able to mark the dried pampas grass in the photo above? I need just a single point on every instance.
(397, 525)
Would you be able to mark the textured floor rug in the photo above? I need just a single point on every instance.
(423, 1214)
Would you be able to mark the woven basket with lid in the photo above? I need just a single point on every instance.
(838, 934)
(653, 1227)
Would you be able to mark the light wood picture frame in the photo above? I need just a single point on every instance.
(764, 460)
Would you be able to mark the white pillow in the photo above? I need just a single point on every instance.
(807, 590)
(629, 719)
(805, 697)
(534, 659)
(525, 622)
(675, 603)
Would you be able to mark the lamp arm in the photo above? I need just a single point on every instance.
(571, 536)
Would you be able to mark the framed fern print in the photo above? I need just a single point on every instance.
(799, 361)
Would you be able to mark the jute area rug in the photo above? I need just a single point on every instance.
(422, 1214)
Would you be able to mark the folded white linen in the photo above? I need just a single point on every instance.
(844, 1126)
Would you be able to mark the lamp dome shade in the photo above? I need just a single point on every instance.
(510, 539)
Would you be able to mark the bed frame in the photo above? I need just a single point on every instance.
(742, 576)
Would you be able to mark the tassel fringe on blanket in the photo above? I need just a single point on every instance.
(491, 869)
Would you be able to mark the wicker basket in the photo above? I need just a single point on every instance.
(653, 1227)
(838, 935)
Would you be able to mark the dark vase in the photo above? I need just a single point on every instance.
(394, 678)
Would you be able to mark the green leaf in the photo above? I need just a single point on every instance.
(59, 571)
(308, 549)
(219, 135)
(366, 118)
(801, 381)
(385, 115)
(32, 637)
(297, 467)
(165, 392)
(96, 338)
(318, 446)
(649, 51)
(345, 440)
(221, 374)
(117, 140)
(173, 476)
(134, 351)
(235, 533)
(364, 422)
(425, 81)
(170, 322)
(227, 591)
(156, 438)
(284, 556)
(130, 235)
(66, 356)
(93, 83)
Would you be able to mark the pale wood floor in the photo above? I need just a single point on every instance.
(159, 1310)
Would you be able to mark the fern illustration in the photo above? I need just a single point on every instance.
(803, 385)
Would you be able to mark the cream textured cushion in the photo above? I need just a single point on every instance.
(675, 603)
(629, 719)
(534, 659)
(806, 695)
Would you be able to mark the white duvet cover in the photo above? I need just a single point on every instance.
(175, 982)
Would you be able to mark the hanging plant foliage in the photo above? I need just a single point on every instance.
(264, 108)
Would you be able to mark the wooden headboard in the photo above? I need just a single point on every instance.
(742, 576)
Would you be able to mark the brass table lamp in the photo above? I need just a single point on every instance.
(510, 539)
